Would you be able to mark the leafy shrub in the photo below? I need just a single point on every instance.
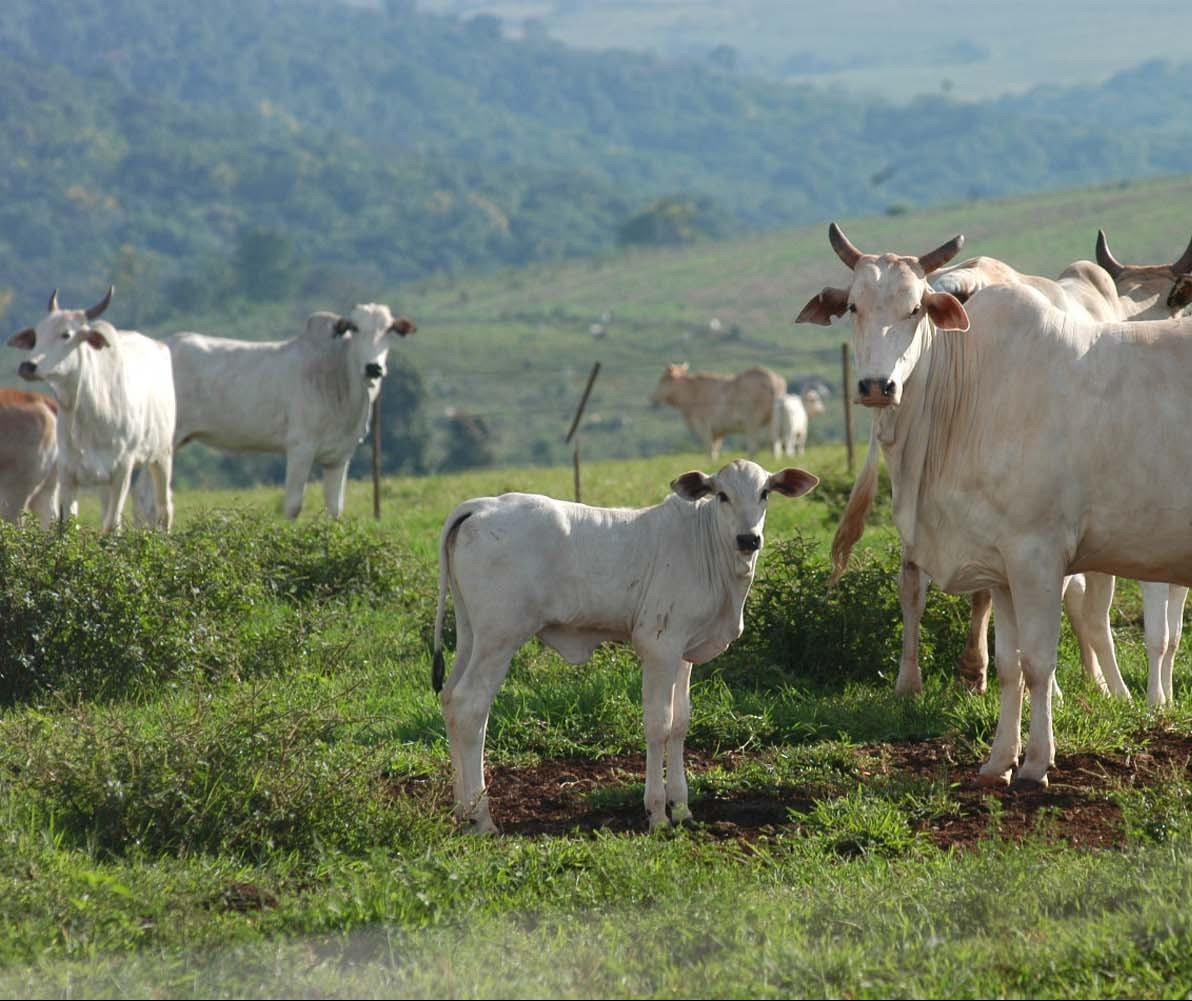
(832, 635)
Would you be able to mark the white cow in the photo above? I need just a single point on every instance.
(791, 436)
(28, 455)
(1074, 486)
(115, 393)
(309, 397)
(670, 579)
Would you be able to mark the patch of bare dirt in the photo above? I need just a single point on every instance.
(551, 798)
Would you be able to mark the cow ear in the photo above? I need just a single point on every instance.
(24, 339)
(1179, 298)
(946, 311)
(344, 326)
(95, 339)
(693, 485)
(793, 482)
(823, 308)
(403, 325)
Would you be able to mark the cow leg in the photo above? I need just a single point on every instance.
(974, 661)
(68, 492)
(467, 701)
(114, 497)
(334, 480)
(1038, 603)
(659, 674)
(1098, 597)
(912, 596)
(714, 446)
(676, 771)
(1177, 595)
(44, 502)
(1075, 588)
(1007, 740)
(163, 500)
(298, 463)
(1162, 616)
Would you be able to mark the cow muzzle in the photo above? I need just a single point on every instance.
(877, 392)
(749, 542)
(27, 370)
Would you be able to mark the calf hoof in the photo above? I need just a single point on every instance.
(992, 779)
(1023, 784)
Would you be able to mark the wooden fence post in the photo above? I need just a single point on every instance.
(579, 413)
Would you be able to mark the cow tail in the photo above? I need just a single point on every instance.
(852, 524)
(438, 667)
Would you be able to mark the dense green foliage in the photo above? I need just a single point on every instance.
(255, 150)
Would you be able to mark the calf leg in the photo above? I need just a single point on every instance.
(912, 596)
(974, 661)
(334, 480)
(1007, 739)
(467, 700)
(676, 772)
(298, 462)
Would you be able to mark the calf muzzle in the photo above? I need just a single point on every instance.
(749, 542)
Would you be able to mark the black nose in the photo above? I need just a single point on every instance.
(888, 388)
(749, 543)
(27, 370)
(868, 386)
(373, 371)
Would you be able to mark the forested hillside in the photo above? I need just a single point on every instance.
(206, 154)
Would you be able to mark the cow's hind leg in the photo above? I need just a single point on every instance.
(299, 459)
(160, 472)
(1098, 597)
(1176, 597)
(974, 661)
(467, 700)
(114, 497)
(1162, 616)
(676, 773)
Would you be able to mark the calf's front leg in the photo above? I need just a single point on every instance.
(659, 673)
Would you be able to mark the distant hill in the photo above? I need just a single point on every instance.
(204, 156)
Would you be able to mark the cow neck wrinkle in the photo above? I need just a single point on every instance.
(718, 561)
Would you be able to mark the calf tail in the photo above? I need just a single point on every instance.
(445, 543)
(852, 524)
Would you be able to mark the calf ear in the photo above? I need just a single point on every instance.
(344, 326)
(24, 339)
(946, 311)
(693, 485)
(403, 325)
(95, 339)
(793, 482)
(823, 308)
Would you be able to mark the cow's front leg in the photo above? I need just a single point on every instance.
(676, 772)
(1038, 604)
(299, 459)
(334, 480)
(114, 497)
(912, 596)
(659, 672)
(1007, 739)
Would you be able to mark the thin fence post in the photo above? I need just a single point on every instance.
(579, 413)
(847, 383)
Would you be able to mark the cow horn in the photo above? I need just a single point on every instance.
(942, 254)
(1184, 265)
(53, 306)
(1105, 258)
(100, 306)
(844, 249)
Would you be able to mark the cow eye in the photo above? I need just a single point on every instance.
(722, 497)
(852, 307)
(66, 335)
(916, 310)
(765, 494)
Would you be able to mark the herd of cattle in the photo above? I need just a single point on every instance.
(1033, 429)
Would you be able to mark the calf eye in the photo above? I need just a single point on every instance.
(66, 336)
(723, 497)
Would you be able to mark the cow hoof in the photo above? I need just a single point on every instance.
(680, 814)
(908, 689)
(1023, 784)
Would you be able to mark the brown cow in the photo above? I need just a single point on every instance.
(714, 405)
(28, 455)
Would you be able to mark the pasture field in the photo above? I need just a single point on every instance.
(223, 773)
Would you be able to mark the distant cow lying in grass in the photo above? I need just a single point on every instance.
(670, 579)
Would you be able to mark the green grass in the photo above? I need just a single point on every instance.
(261, 805)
